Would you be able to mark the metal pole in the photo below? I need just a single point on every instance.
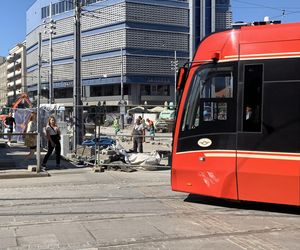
(122, 83)
(78, 123)
(122, 106)
(38, 143)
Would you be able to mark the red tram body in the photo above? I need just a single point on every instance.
(237, 133)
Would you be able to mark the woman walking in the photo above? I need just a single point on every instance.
(30, 139)
(53, 137)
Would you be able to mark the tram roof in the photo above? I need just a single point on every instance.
(252, 42)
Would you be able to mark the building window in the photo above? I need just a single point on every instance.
(69, 5)
(108, 90)
(145, 90)
(63, 93)
(57, 8)
(45, 11)
(87, 2)
(158, 90)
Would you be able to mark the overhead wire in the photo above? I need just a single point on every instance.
(283, 10)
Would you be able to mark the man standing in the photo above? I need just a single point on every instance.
(137, 136)
(9, 123)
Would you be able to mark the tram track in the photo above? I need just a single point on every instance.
(78, 200)
(247, 239)
(197, 237)
(91, 216)
(82, 184)
(175, 202)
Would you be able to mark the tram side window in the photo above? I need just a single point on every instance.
(210, 91)
(253, 78)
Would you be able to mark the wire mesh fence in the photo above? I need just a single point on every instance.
(107, 134)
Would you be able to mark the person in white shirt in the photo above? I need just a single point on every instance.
(138, 136)
(30, 140)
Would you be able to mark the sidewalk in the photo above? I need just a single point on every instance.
(12, 163)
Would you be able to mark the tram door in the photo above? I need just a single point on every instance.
(206, 152)
(268, 158)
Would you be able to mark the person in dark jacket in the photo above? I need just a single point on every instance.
(9, 123)
(53, 137)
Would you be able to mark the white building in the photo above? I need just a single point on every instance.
(3, 81)
(16, 72)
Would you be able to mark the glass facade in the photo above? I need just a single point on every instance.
(63, 6)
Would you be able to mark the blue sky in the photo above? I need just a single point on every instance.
(13, 16)
(255, 10)
(12, 23)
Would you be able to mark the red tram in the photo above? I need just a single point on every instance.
(237, 133)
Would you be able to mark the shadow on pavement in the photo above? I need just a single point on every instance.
(245, 205)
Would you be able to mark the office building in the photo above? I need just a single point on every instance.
(129, 40)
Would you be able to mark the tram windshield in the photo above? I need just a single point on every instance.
(209, 91)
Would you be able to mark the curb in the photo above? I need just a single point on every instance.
(22, 174)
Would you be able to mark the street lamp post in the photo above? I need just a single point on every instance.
(174, 65)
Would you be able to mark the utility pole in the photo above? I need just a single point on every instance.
(77, 109)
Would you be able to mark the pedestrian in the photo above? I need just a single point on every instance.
(137, 136)
(151, 128)
(144, 127)
(53, 138)
(30, 140)
(116, 125)
(9, 123)
(129, 118)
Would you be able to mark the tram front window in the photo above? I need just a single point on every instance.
(209, 97)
